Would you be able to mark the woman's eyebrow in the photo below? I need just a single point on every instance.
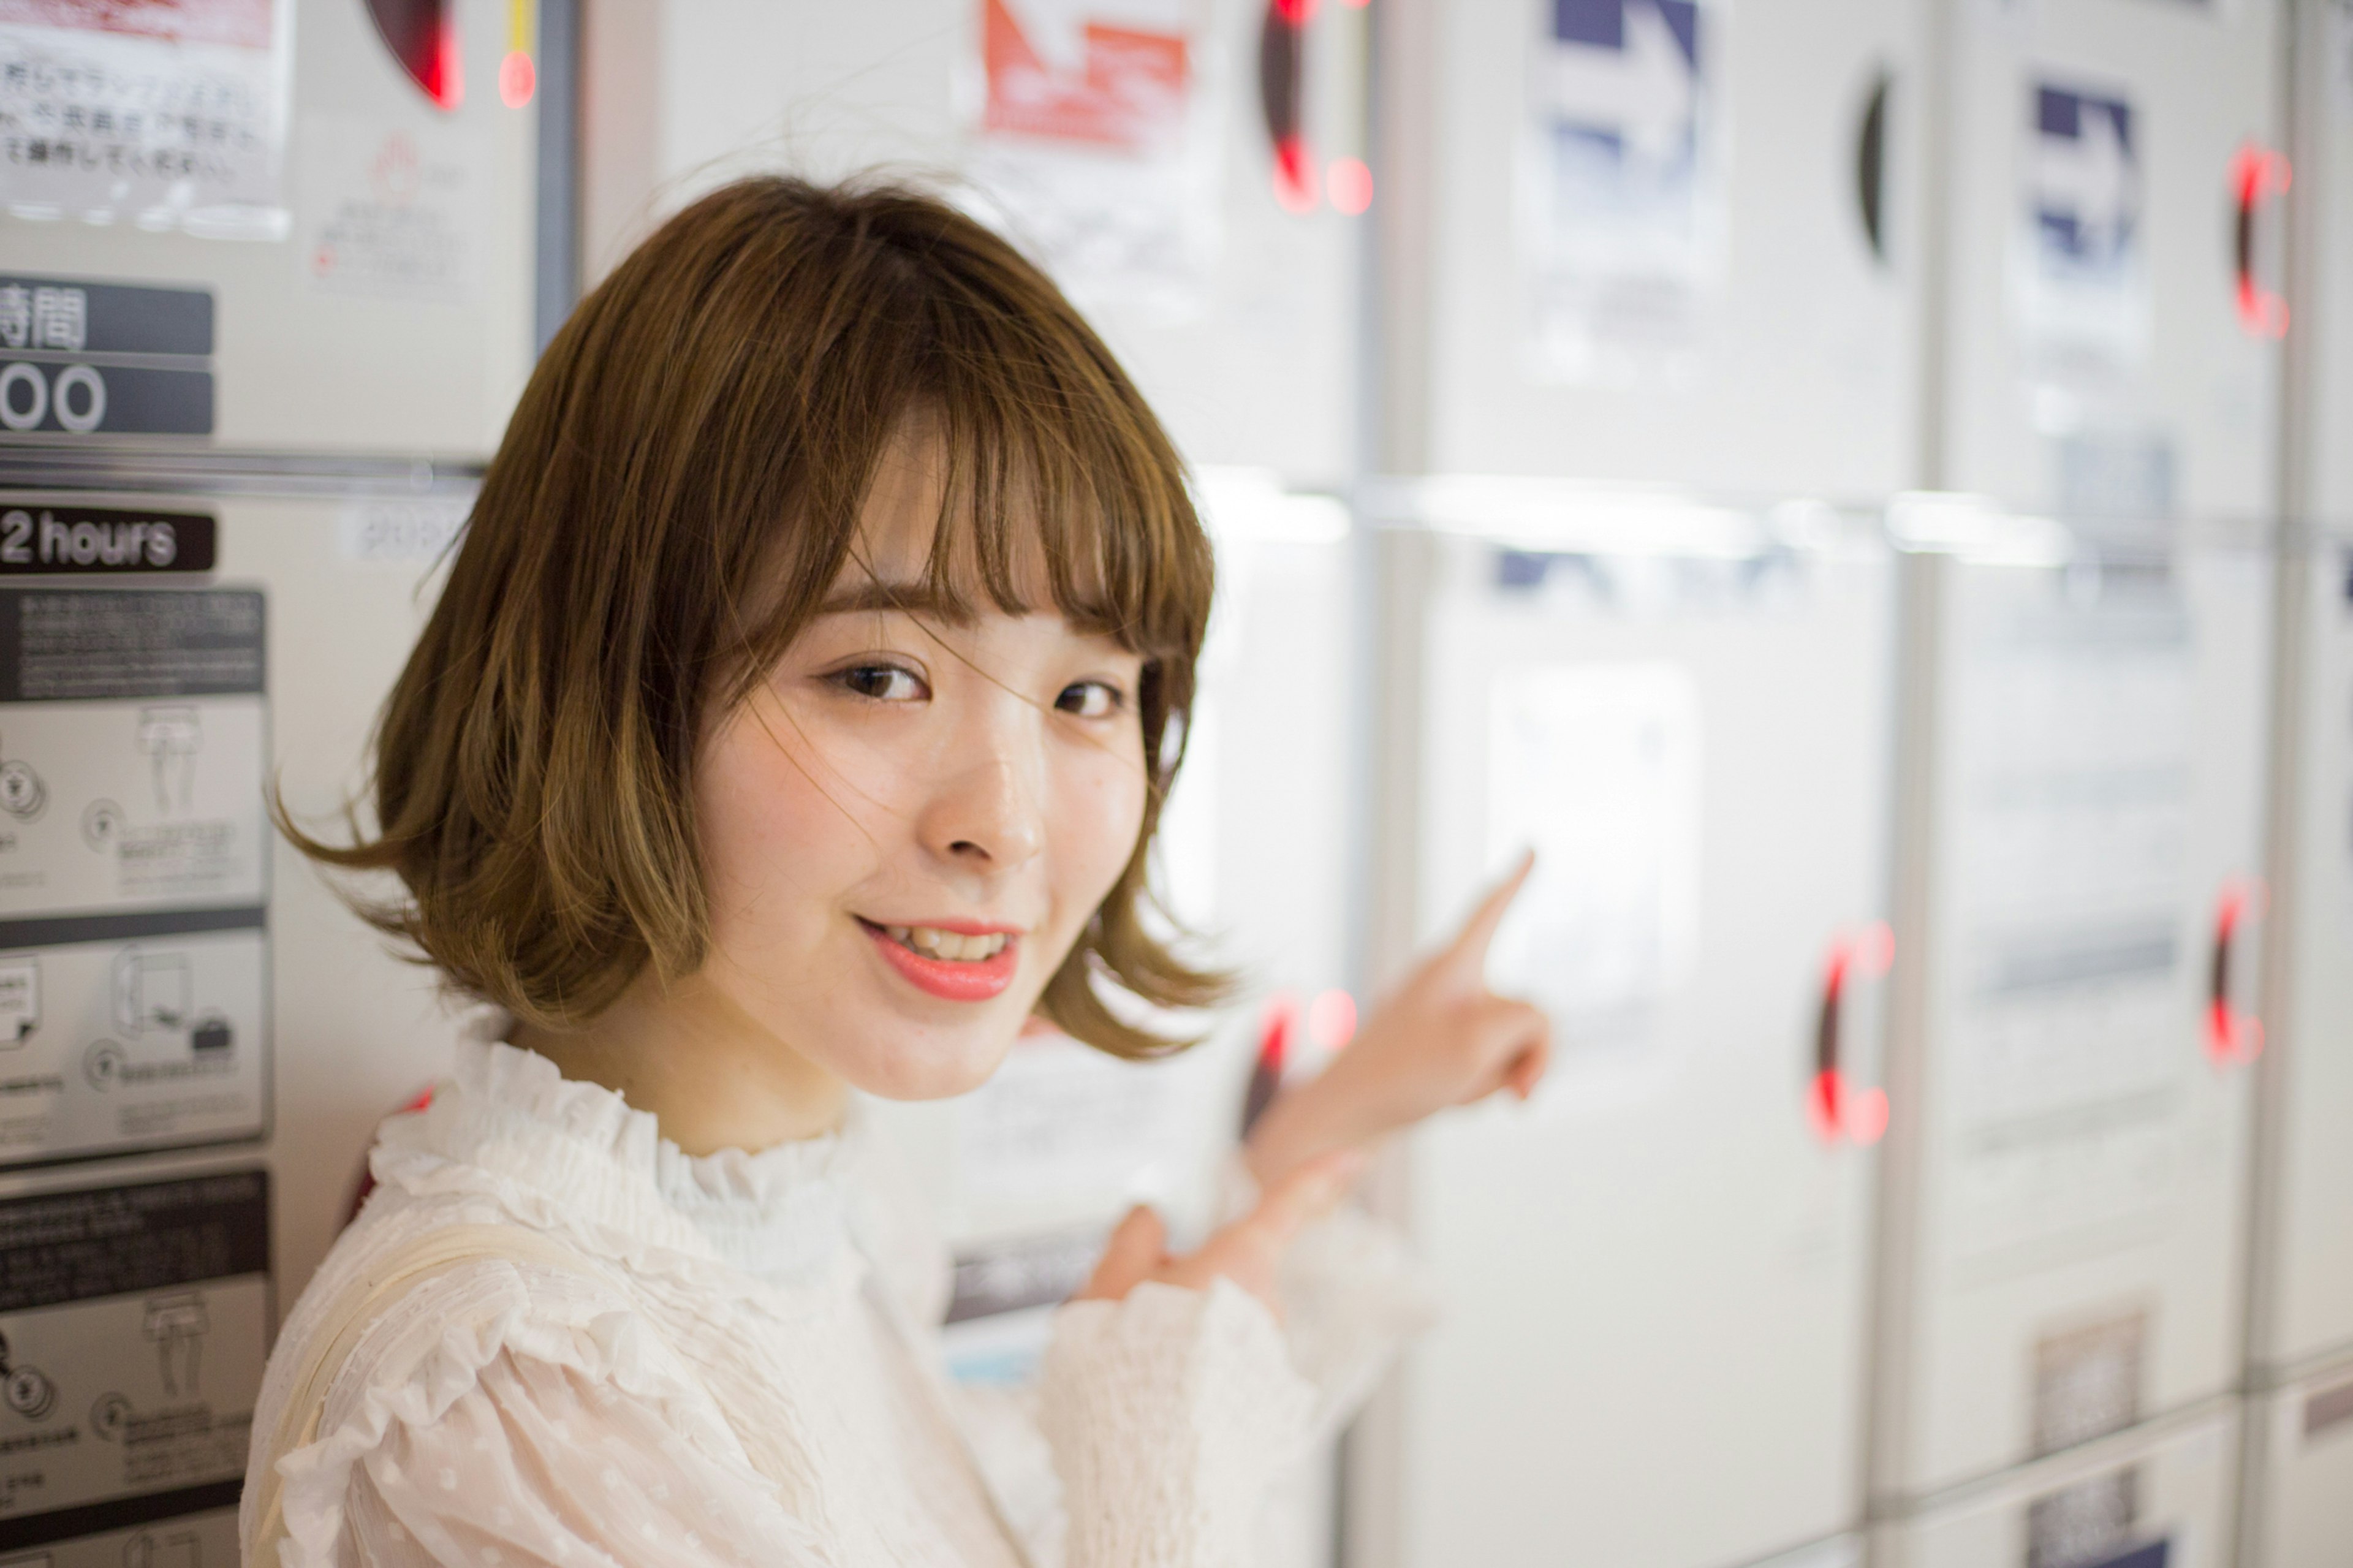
(913, 598)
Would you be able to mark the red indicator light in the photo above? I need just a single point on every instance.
(448, 89)
(1332, 1019)
(2232, 1038)
(1294, 176)
(1350, 185)
(2258, 175)
(517, 79)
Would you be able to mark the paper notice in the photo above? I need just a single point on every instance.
(2073, 735)
(387, 213)
(2081, 282)
(1623, 196)
(1597, 768)
(1095, 142)
(170, 115)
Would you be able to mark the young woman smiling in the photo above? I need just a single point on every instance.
(795, 721)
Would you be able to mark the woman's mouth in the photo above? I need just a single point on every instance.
(968, 965)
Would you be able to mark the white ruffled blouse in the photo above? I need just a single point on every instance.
(745, 1369)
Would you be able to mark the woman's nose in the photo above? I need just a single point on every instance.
(991, 817)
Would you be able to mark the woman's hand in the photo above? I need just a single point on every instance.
(1443, 1038)
(1248, 1252)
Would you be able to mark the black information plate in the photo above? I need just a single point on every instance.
(104, 359)
(54, 541)
(136, 1322)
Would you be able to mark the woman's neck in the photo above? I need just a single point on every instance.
(709, 1076)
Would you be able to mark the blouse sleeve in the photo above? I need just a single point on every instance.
(1170, 1414)
(515, 1442)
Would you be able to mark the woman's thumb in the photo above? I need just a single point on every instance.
(1137, 1248)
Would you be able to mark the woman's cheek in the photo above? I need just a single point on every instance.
(1103, 814)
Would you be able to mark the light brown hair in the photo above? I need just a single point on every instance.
(676, 494)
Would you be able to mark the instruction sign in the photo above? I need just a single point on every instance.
(89, 359)
(1623, 190)
(169, 116)
(134, 852)
(134, 1322)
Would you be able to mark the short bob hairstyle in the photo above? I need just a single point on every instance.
(674, 497)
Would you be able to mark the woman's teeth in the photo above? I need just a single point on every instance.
(933, 942)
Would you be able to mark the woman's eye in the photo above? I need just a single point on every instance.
(881, 682)
(1090, 700)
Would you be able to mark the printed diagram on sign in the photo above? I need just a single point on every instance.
(23, 795)
(172, 737)
(1623, 196)
(27, 1390)
(176, 1323)
(164, 1548)
(2083, 280)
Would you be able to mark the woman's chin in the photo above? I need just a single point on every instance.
(934, 1064)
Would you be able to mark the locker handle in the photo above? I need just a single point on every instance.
(2259, 176)
(2233, 1036)
(1871, 165)
(1281, 101)
(1834, 1108)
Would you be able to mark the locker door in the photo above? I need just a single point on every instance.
(2302, 1502)
(2064, 1236)
(1653, 240)
(2109, 342)
(1243, 342)
(1652, 1274)
(388, 310)
(2159, 1502)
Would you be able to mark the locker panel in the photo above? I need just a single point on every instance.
(1250, 363)
(2100, 354)
(2159, 1502)
(1654, 1270)
(2091, 920)
(2311, 1268)
(395, 313)
(343, 1031)
(1747, 329)
(2303, 1479)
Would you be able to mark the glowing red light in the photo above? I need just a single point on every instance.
(1349, 183)
(517, 77)
(1332, 1019)
(1294, 176)
(1866, 1117)
(448, 84)
(1298, 13)
(1824, 1100)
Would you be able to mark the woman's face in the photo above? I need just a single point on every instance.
(906, 824)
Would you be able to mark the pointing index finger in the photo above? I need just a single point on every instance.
(1470, 945)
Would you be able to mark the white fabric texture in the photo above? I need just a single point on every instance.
(743, 1368)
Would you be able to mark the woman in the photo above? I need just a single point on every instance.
(796, 720)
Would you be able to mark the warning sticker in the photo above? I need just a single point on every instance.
(132, 746)
(134, 1325)
(154, 1039)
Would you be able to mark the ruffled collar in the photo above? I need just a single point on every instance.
(580, 1151)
